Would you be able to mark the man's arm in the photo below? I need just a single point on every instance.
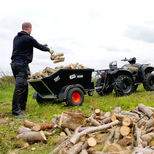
(39, 46)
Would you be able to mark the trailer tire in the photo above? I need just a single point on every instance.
(75, 96)
(39, 99)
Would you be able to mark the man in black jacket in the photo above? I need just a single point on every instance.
(22, 55)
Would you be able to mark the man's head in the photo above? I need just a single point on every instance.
(27, 27)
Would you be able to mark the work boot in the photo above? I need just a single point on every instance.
(20, 116)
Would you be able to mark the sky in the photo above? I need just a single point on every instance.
(91, 32)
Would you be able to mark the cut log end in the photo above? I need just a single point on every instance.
(124, 130)
(91, 141)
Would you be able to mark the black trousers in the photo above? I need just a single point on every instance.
(20, 71)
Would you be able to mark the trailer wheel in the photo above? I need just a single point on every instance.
(39, 99)
(75, 97)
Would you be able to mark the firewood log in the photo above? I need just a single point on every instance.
(28, 124)
(59, 58)
(58, 61)
(77, 135)
(42, 126)
(113, 118)
(151, 129)
(55, 120)
(84, 151)
(32, 136)
(91, 141)
(116, 110)
(147, 137)
(149, 123)
(138, 112)
(126, 121)
(141, 123)
(106, 120)
(124, 130)
(76, 148)
(60, 139)
(62, 145)
(107, 114)
(83, 138)
(133, 118)
(130, 114)
(85, 145)
(48, 70)
(97, 112)
(145, 110)
(49, 133)
(139, 150)
(53, 56)
(100, 138)
(23, 129)
(138, 136)
(117, 134)
(67, 131)
(93, 121)
(62, 134)
(151, 108)
(112, 148)
(71, 120)
(125, 141)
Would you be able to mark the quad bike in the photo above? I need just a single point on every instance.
(126, 79)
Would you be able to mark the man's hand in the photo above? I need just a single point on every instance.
(51, 51)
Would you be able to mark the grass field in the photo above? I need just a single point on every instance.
(38, 113)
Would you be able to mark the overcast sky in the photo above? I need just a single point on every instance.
(91, 32)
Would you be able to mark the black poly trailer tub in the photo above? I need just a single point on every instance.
(51, 86)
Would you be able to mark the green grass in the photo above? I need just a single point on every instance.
(38, 113)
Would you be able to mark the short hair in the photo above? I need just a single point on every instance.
(26, 25)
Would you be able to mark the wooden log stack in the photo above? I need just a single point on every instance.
(111, 132)
(48, 71)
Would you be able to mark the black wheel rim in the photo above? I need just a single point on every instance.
(151, 82)
(126, 85)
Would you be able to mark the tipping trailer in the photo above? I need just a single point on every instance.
(69, 85)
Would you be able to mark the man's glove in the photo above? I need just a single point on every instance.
(51, 51)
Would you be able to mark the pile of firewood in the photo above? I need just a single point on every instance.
(48, 71)
(111, 132)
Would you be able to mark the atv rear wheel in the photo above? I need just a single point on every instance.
(103, 91)
(149, 82)
(75, 97)
(123, 85)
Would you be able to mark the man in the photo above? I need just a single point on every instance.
(22, 55)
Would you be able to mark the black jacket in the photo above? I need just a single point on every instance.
(23, 45)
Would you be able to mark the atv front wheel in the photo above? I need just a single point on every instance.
(104, 90)
(149, 82)
(123, 85)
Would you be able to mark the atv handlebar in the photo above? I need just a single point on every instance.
(131, 60)
(124, 59)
